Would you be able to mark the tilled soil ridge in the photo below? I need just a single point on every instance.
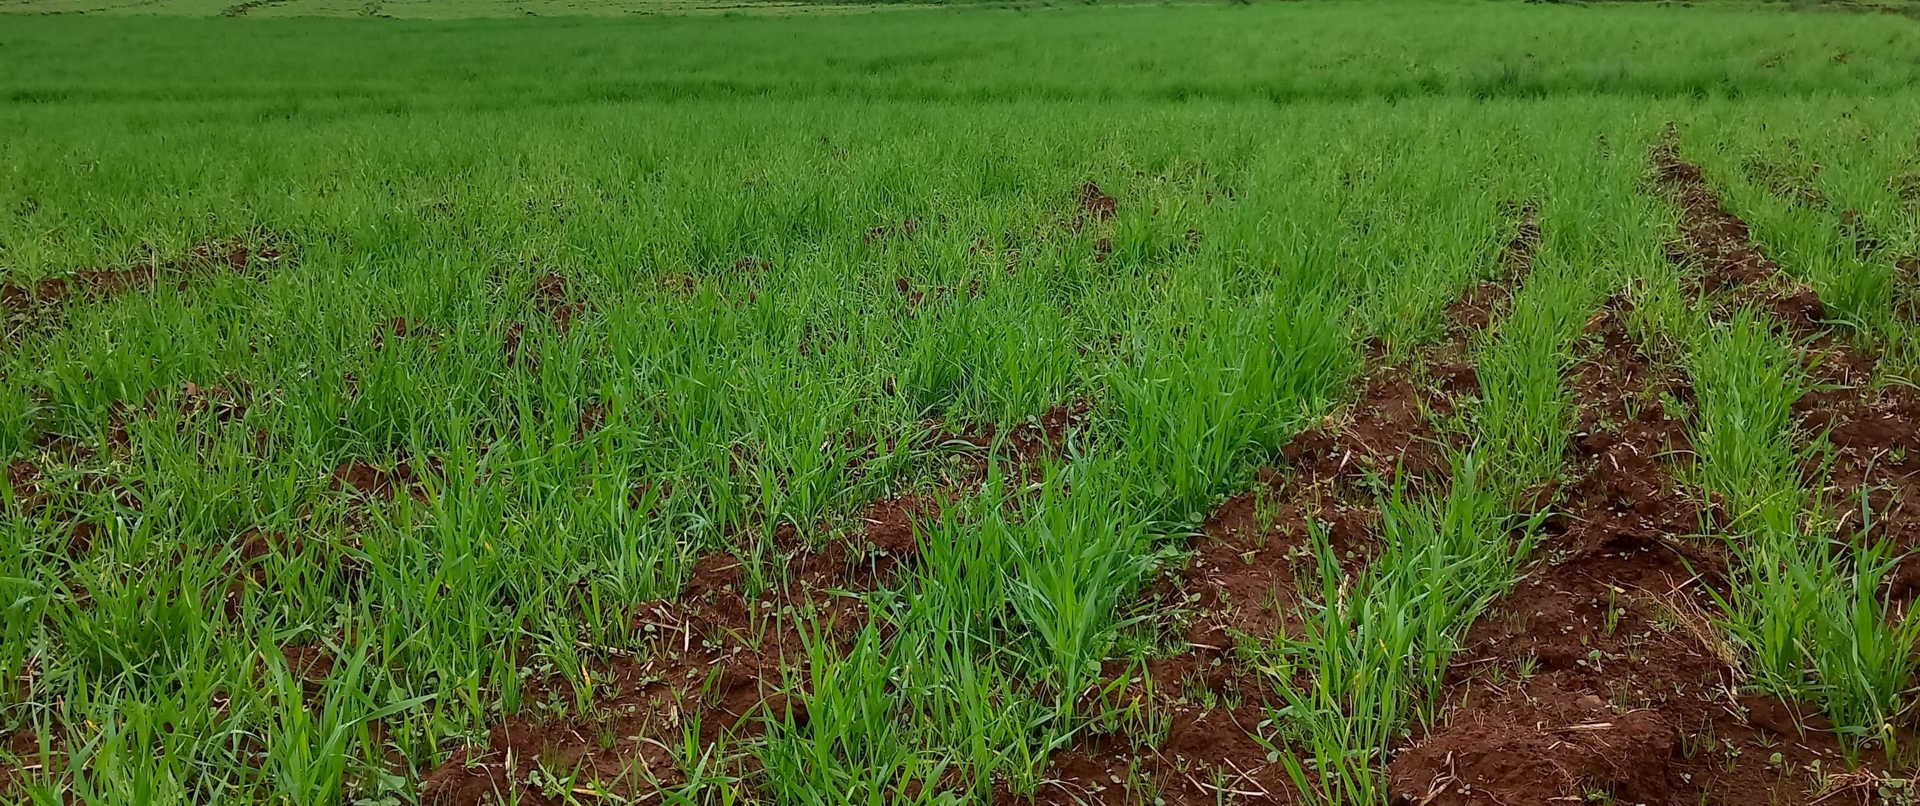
(1871, 453)
(1600, 674)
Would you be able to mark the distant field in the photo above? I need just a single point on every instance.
(1346, 403)
(434, 9)
(481, 9)
(469, 9)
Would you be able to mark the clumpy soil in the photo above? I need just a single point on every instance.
(1599, 674)
(1256, 546)
(1720, 245)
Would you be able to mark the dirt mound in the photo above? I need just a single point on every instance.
(1477, 310)
(1095, 204)
(887, 542)
(1870, 460)
(715, 658)
(905, 229)
(549, 295)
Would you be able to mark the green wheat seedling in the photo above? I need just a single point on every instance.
(848, 747)
(1808, 610)
(1748, 380)
(1374, 652)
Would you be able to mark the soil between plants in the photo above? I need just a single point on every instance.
(1251, 560)
(718, 662)
(1599, 672)
(1600, 675)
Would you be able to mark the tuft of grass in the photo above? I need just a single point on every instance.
(1375, 649)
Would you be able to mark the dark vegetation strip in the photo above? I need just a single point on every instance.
(243, 8)
(896, 61)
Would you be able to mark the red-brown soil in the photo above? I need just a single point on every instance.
(23, 744)
(1256, 545)
(309, 666)
(1095, 204)
(400, 327)
(1476, 310)
(367, 481)
(1873, 437)
(1253, 557)
(1599, 675)
(1242, 581)
(904, 229)
(549, 295)
(1020, 450)
(1720, 245)
(593, 417)
(1873, 433)
(887, 542)
(715, 655)
(918, 295)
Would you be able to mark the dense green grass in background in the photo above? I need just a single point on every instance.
(710, 188)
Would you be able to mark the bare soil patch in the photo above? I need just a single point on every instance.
(1020, 450)
(715, 659)
(1095, 204)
